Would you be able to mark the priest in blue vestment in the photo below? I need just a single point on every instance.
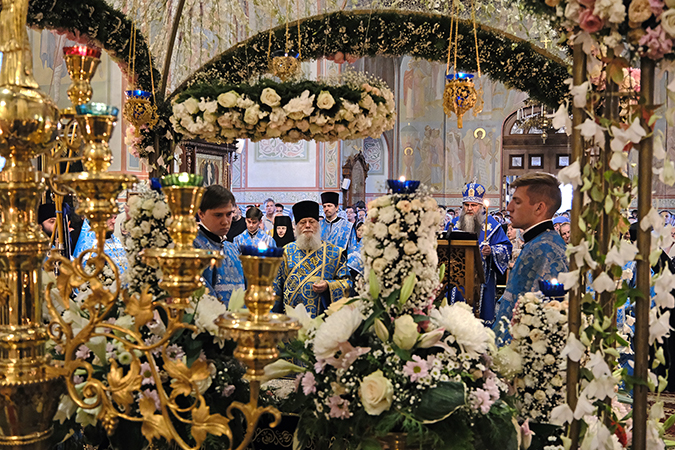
(215, 215)
(313, 272)
(536, 199)
(334, 229)
(254, 235)
(112, 247)
(495, 247)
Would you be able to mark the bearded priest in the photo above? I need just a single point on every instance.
(313, 272)
(495, 247)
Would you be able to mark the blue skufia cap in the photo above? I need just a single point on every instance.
(560, 219)
(473, 192)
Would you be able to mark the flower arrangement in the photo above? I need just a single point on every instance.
(534, 360)
(400, 239)
(390, 360)
(350, 106)
(145, 227)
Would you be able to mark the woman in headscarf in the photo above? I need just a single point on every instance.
(354, 260)
(283, 231)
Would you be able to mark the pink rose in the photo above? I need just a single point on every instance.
(589, 22)
(656, 7)
(656, 42)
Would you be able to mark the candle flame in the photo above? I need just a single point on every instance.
(486, 202)
(262, 246)
(402, 179)
(184, 177)
(554, 281)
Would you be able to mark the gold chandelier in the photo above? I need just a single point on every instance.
(31, 383)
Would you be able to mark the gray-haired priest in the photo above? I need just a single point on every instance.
(313, 272)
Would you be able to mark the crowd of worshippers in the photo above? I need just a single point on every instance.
(322, 244)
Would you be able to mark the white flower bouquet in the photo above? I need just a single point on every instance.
(534, 360)
(391, 360)
(352, 106)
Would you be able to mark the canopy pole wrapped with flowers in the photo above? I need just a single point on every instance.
(609, 37)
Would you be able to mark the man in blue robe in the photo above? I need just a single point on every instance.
(536, 199)
(313, 272)
(495, 247)
(334, 229)
(254, 235)
(215, 216)
(112, 247)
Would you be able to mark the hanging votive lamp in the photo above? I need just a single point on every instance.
(284, 65)
(459, 95)
(139, 110)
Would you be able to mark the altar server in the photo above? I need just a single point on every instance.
(112, 246)
(495, 247)
(215, 215)
(254, 235)
(536, 199)
(313, 272)
(334, 229)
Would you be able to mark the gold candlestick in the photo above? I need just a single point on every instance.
(28, 124)
(486, 203)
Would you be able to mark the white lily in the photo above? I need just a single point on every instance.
(582, 254)
(584, 407)
(574, 349)
(619, 160)
(571, 174)
(659, 326)
(562, 414)
(579, 93)
(569, 279)
(652, 219)
(561, 119)
(663, 284)
(621, 253)
(281, 368)
(604, 283)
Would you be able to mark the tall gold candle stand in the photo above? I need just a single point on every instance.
(28, 124)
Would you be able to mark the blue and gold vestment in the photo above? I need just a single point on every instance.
(299, 271)
(337, 232)
(228, 274)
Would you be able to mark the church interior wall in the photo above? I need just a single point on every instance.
(427, 146)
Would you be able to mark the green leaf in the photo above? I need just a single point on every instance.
(403, 354)
(670, 421)
(373, 284)
(370, 444)
(439, 403)
(441, 271)
(407, 288)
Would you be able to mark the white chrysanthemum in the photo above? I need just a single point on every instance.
(337, 329)
(208, 310)
(469, 333)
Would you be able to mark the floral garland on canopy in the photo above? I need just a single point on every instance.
(504, 57)
(612, 34)
(391, 360)
(349, 106)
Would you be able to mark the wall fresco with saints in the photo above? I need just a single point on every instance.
(433, 149)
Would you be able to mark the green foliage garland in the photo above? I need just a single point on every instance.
(505, 58)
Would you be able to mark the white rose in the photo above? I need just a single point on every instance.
(376, 393)
(536, 335)
(270, 97)
(668, 22)
(149, 204)
(410, 248)
(405, 332)
(379, 264)
(539, 395)
(252, 115)
(160, 211)
(209, 107)
(191, 105)
(325, 100)
(145, 226)
(228, 99)
(380, 230)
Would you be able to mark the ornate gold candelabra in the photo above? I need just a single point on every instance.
(257, 333)
(30, 383)
(28, 124)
